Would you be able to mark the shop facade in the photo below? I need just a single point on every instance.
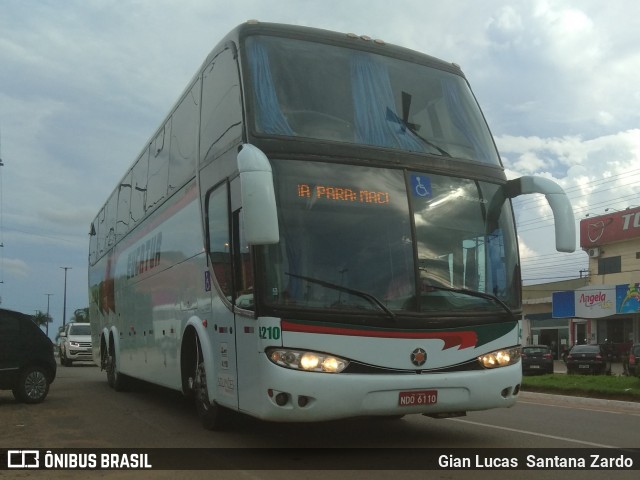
(607, 309)
(604, 314)
(538, 326)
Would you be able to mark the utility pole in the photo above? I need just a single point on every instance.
(64, 308)
(1, 228)
(48, 297)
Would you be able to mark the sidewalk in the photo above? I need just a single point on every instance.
(560, 367)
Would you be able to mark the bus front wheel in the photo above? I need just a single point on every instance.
(211, 415)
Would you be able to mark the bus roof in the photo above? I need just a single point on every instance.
(349, 40)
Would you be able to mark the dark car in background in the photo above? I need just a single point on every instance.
(27, 363)
(634, 360)
(588, 359)
(537, 359)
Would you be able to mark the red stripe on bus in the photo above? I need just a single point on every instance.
(463, 339)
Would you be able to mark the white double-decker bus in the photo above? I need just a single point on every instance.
(320, 228)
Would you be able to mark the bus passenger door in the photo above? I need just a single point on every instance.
(223, 331)
(243, 301)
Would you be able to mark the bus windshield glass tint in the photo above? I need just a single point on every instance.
(346, 242)
(330, 93)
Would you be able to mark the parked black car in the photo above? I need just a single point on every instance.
(537, 359)
(634, 360)
(588, 359)
(27, 363)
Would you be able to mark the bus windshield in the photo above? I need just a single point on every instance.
(325, 92)
(357, 238)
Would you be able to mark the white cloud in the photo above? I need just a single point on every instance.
(570, 35)
(531, 154)
(84, 84)
(505, 27)
(16, 267)
(596, 174)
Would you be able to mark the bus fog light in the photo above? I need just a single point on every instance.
(282, 399)
(307, 361)
(500, 358)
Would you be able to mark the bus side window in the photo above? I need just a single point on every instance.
(138, 203)
(158, 179)
(219, 245)
(124, 207)
(93, 242)
(184, 139)
(103, 230)
(110, 220)
(221, 116)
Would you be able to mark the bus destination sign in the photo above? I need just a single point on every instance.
(343, 194)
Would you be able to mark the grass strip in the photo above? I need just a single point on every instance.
(598, 386)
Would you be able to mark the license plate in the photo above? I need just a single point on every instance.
(416, 398)
(583, 366)
(534, 366)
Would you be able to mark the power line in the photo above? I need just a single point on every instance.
(523, 202)
(592, 206)
(50, 237)
(630, 173)
(559, 266)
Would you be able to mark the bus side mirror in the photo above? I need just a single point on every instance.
(258, 197)
(565, 223)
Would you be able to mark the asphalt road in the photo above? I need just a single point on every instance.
(81, 411)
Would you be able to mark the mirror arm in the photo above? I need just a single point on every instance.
(564, 220)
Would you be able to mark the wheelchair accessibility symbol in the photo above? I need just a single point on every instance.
(420, 186)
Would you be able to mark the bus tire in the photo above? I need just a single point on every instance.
(210, 413)
(115, 379)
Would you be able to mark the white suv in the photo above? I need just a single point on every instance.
(75, 343)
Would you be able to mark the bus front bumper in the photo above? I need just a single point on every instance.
(289, 395)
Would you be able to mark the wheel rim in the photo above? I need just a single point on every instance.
(200, 387)
(35, 385)
(111, 369)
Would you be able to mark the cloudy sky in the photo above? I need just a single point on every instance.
(84, 83)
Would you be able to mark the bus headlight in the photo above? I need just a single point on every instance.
(500, 358)
(307, 361)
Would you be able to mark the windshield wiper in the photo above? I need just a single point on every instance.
(359, 293)
(412, 127)
(473, 293)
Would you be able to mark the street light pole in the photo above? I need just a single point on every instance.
(64, 308)
(48, 297)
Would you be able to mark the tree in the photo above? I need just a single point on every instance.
(41, 318)
(80, 315)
